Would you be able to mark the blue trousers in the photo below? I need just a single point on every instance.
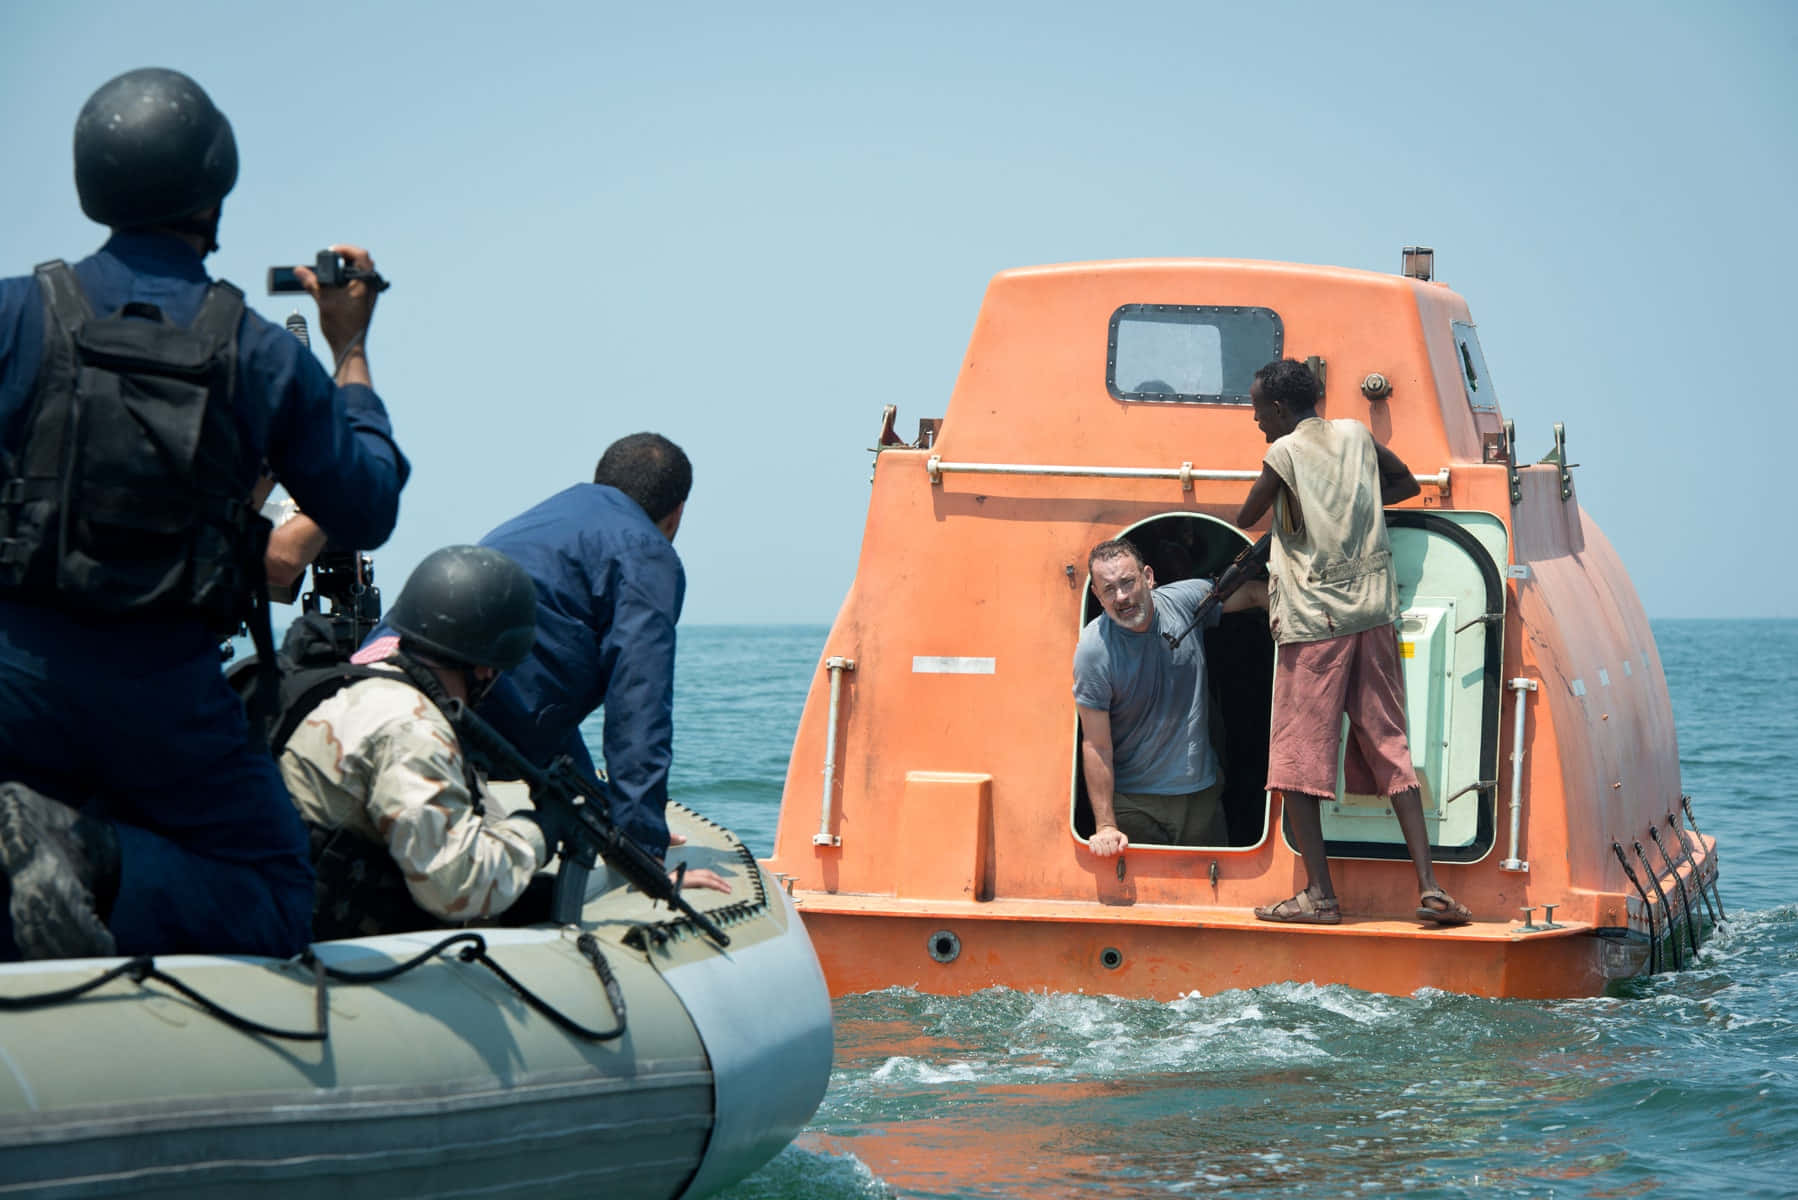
(135, 724)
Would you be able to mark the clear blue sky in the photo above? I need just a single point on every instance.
(751, 226)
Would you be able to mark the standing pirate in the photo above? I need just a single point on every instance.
(1333, 604)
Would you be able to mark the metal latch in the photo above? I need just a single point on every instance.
(1483, 619)
(1511, 462)
(1558, 456)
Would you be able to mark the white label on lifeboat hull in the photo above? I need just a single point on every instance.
(952, 664)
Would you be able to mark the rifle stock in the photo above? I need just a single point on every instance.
(579, 824)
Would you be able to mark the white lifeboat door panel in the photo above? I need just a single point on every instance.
(1447, 581)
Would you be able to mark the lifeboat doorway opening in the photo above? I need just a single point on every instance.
(1239, 670)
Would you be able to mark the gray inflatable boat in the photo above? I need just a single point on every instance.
(626, 1056)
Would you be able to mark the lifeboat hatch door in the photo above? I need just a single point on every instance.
(1451, 645)
(1239, 657)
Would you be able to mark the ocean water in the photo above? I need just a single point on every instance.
(1684, 1085)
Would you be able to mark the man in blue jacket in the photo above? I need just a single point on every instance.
(170, 829)
(609, 591)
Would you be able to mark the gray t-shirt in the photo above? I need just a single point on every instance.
(1160, 734)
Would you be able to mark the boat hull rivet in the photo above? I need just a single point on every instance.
(945, 947)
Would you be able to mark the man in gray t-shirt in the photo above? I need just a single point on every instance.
(1145, 742)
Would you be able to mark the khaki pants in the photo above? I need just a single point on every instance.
(1192, 819)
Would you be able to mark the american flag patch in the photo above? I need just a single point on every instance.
(379, 650)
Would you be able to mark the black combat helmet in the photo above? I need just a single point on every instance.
(150, 148)
(470, 606)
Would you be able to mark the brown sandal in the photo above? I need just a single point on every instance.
(1303, 909)
(1441, 908)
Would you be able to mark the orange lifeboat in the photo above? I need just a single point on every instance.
(933, 830)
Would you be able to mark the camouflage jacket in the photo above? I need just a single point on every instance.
(379, 760)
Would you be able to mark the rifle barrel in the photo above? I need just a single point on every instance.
(562, 785)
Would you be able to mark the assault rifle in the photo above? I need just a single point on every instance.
(575, 810)
(1246, 563)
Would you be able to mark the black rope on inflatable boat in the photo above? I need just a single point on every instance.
(1692, 857)
(588, 945)
(40, 999)
(144, 967)
(1685, 802)
(1654, 835)
(1654, 937)
(1672, 934)
(474, 950)
(149, 970)
(383, 974)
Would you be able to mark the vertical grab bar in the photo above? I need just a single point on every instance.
(1518, 687)
(836, 664)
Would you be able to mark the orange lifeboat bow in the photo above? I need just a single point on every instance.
(934, 822)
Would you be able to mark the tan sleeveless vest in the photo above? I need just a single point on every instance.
(1331, 566)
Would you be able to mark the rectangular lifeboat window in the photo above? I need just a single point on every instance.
(1190, 353)
(1480, 396)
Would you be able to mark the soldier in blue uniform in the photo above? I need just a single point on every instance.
(138, 404)
(609, 592)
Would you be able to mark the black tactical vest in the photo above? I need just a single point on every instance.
(358, 889)
(129, 492)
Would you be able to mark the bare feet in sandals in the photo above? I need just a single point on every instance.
(1443, 909)
(1303, 909)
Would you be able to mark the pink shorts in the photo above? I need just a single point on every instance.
(1315, 683)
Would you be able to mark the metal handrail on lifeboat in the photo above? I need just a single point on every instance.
(1185, 472)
